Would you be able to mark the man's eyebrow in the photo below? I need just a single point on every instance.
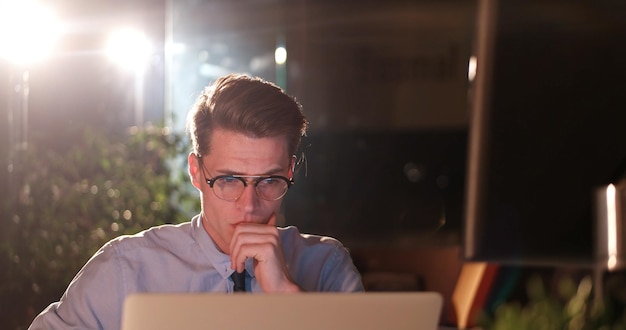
(272, 171)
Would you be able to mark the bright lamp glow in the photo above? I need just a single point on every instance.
(471, 68)
(611, 207)
(280, 55)
(129, 48)
(28, 31)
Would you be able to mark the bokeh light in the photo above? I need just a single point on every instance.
(129, 48)
(28, 31)
(280, 55)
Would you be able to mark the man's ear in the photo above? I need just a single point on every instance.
(193, 168)
(292, 166)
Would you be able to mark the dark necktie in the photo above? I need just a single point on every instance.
(240, 281)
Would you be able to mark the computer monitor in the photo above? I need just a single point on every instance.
(548, 127)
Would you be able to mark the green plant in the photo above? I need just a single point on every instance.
(69, 202)
(572, 307)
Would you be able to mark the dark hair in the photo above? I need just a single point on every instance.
(247, 105)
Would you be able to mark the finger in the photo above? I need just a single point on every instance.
(252, 238)
(272, 221)
(257, 245)
(254, 235)
(237, 258)
(243, 242)
(238, 262)
(258, 251)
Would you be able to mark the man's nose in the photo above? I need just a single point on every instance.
(248, 200)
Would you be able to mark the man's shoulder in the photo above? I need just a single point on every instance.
(292, 234)
(166, 236)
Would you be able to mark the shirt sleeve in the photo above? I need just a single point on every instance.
(340, 274)
(319, 263)
(94, 298)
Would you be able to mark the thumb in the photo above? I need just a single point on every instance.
(272, 221)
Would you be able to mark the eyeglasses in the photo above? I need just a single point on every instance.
(231, 187)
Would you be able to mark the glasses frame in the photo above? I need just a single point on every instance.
(245, 180)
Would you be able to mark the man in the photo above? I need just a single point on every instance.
(244, 133)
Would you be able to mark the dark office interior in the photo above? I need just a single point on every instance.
(445, 137)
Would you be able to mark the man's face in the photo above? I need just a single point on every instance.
(236, 154)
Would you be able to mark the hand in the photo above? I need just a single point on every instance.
(262, 243)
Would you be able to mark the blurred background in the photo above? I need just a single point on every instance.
(94, 94)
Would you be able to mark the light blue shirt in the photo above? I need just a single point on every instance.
(183, 258)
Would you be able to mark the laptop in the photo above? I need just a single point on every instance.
(365, 310)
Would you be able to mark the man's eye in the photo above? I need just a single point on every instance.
(270, 181)
(229, 179)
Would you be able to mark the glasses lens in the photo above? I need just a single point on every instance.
(272, 188)
(228, 188)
